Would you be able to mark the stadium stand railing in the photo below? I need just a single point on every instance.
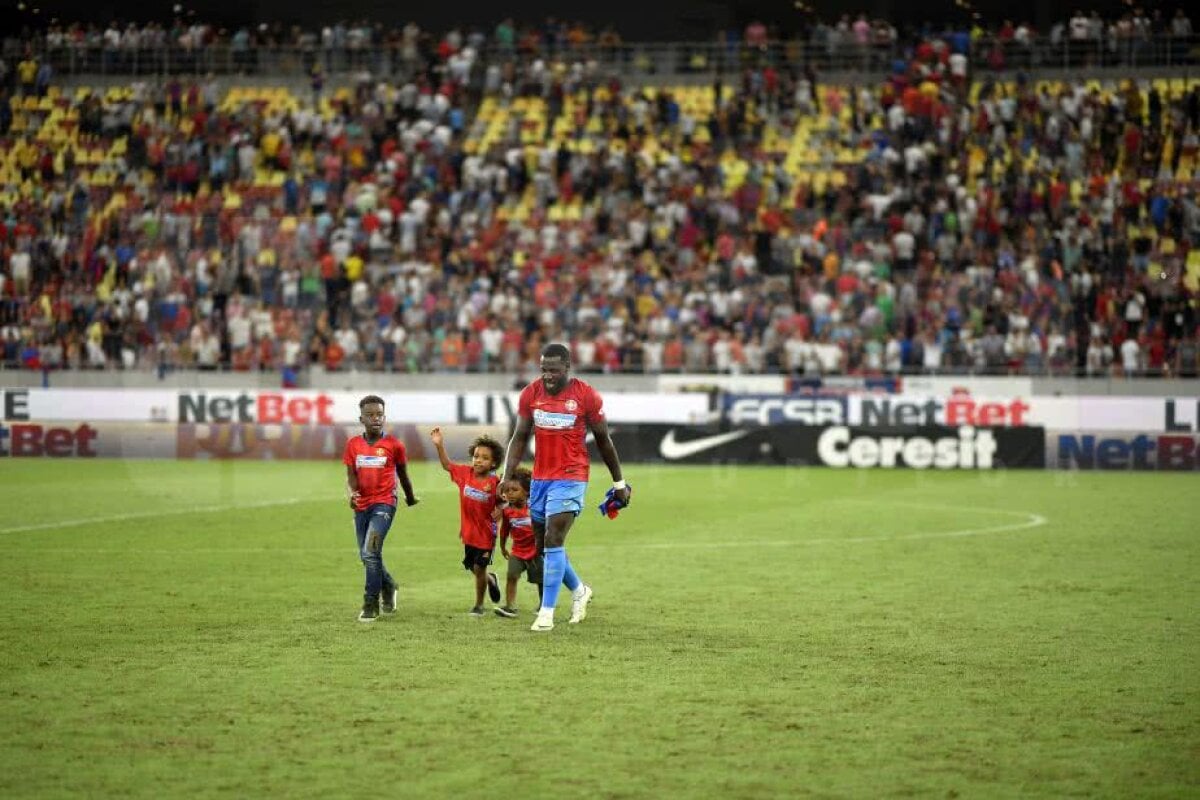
(665, 59)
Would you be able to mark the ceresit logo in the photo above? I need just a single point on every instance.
(970, 449)
(1133, 451)
(268, 408)
(27, 440)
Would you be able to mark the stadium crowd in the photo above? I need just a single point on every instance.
(952, 217)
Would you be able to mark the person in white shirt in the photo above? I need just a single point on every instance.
(1131, 357)
(1135, 308)
(722, 353)
(95, 354)
(491, 338)
(892, 354)
(239, 332)
(828, 356)
(347, 337)
(932, 357)
(795, 352)
(905, 246)
(585, 353)
(208, 349)
(19, 264)
(1099, 356)
(292, 350)
(652, 355)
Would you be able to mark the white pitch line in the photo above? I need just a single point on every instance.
(166, 512)
(175, 512)
(1031, 520)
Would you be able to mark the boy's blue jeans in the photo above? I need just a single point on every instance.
(371, 526)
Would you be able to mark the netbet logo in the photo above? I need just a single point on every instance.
(971, 449)
(264, 408)
(29, 440)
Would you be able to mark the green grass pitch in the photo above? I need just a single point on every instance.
(188, 630)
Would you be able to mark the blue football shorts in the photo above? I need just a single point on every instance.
(547, 498)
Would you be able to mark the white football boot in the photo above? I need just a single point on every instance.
(579, 603)
(544, 620)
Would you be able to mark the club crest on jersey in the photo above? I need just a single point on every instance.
(379, 451)
(571, 405)
(552, 420)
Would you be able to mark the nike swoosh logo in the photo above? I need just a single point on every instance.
(673, 450)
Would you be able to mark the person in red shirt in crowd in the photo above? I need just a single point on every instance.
(375, 461)
(477, 492)
(559, 411)
(335, 354)
(515, 522)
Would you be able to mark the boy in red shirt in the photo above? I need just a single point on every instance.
(477, 484)
(516, 522)
(373, 462)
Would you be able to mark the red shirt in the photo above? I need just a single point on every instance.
(519, 525)
(560, 428)
(476, 500)
(375, 465)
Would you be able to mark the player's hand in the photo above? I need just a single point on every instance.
(411, 501)
(436, 436)
(354, 498)
(623, 495)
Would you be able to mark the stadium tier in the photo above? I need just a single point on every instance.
(947, 217)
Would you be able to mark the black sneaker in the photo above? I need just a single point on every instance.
(387, 599)
(493, 587)
(369, 613)
(506, 611)
(477, 611)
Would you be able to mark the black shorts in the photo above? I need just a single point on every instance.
(532, 567)
(475, 557)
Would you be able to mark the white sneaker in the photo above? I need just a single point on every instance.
(544, 620)
(579, 604)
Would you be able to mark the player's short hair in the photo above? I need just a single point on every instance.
(491, 444)
(556, 350)
(368, 400)
(523, 476)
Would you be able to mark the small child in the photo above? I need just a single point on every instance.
(477, 483)
(524, 557)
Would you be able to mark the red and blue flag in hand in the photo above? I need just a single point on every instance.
(613, 504)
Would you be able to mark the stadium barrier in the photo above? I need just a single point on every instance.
(308, 407)
(958, 431)
(318, 380)
(634, 59)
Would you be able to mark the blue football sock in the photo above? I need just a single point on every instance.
(570, 579)
(552, 572)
